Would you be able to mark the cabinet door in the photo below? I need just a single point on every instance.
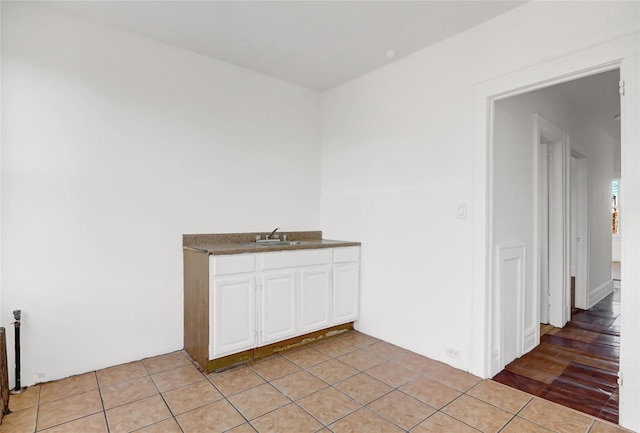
(233, 316)
(315, 300)
(278, 307)
(346, 283)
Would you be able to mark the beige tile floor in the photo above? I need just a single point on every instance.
(351, 383)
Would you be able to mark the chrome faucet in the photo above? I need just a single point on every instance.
(272, 233)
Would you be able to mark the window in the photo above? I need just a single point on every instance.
(615, 208)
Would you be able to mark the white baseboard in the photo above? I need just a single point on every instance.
(600, 293)
(530, 341)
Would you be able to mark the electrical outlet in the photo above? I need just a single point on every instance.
(452, 353)
(40, 378)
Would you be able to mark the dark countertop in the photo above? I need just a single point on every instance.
(240, 243)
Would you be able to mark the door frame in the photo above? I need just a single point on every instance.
(581, 220)
(486, 352)
(597, 59)
(556, 142)
(541, 260)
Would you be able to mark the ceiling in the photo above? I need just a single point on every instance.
(596, 98)
(317, 44)
(593, 100)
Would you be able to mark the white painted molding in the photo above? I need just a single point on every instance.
(531, 339)
(495, 361)
(556, 174)
(509, 256)
(600, 293)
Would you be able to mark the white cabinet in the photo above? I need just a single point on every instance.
(277, 306)
(232, 315)
(296, 290)
(315, 299)
(346, 284)
(262, 298)
(345, 293)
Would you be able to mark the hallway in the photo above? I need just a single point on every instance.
(576, 366)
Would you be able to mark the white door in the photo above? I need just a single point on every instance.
(232, 316)
(346, 280)
(315, 299)
(278, 306)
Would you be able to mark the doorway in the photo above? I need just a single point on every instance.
(617, 54)
(552, 162)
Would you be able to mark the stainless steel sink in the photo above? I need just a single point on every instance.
(274, 243)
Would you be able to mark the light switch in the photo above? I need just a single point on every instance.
(462, 211)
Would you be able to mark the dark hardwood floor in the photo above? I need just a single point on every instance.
(576, 366)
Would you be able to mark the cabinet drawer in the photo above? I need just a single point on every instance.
(346, 254)
(291, 259)
(232, 264)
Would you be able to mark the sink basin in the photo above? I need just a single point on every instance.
(274, 243)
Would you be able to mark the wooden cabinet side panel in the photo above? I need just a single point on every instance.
(196, 306)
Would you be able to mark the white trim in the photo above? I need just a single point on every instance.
(531, 338)
(558, 246)
(507, 255)
(601, 292)
(1, 161)
(630, 197)
(582, 230)
(565, 225)
(540, 277)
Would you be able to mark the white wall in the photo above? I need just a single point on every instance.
(599, 171)
(113, 146)
(398, 158)
(513, 197)
(616, 248)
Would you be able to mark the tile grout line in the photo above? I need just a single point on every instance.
(384, 359)
(226, 398)
(329, 385)
(531, 400)
(365, 406)
(39, 404)
(104, 409)
(332, 385)
(160, 393)
(35, 427)
(295, 401)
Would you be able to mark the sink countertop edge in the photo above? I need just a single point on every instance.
(235, 248)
